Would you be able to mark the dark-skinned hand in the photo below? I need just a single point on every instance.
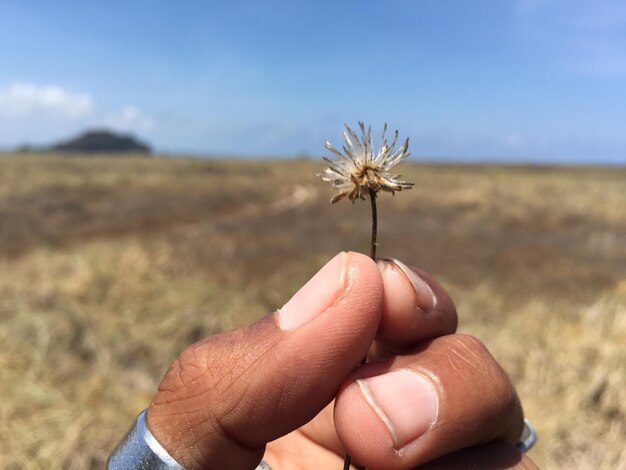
(289, 388)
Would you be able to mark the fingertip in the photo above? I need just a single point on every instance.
(317, 295)
(379, 410)
(366, 280)
(361, 430)
(415, 306)
(402, 278)
(365, 263)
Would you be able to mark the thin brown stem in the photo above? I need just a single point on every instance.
(374, 224)
(346, 462)
(347, 459)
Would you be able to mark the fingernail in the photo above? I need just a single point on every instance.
(404, 400)
(424, 296)
(317, 295)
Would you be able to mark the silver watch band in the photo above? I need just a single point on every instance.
(139, 450)
(528, 437)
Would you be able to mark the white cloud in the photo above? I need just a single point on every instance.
(130, 118)
(42, 113)
(24, 100)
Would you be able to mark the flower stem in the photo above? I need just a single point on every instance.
(374, 223)
(346, 462)
(347, 459)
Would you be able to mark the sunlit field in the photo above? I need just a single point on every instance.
(109, 267)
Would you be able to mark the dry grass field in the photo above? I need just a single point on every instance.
(111, 266)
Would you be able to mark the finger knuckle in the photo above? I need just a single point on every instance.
(187, 369)
(470, 351)
(467, 351)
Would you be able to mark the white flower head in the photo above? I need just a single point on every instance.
(357, 171)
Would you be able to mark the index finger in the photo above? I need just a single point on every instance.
(416, 308)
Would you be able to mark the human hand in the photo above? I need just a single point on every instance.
(289, 388)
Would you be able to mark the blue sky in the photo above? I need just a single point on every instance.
(516, 80)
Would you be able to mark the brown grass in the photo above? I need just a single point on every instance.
(109, 267)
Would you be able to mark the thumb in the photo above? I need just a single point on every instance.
(225, 397)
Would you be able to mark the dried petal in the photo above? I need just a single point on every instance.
(357, 170)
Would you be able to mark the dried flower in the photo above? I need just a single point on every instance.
(357, 172)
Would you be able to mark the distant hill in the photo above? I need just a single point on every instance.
(101, 141)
